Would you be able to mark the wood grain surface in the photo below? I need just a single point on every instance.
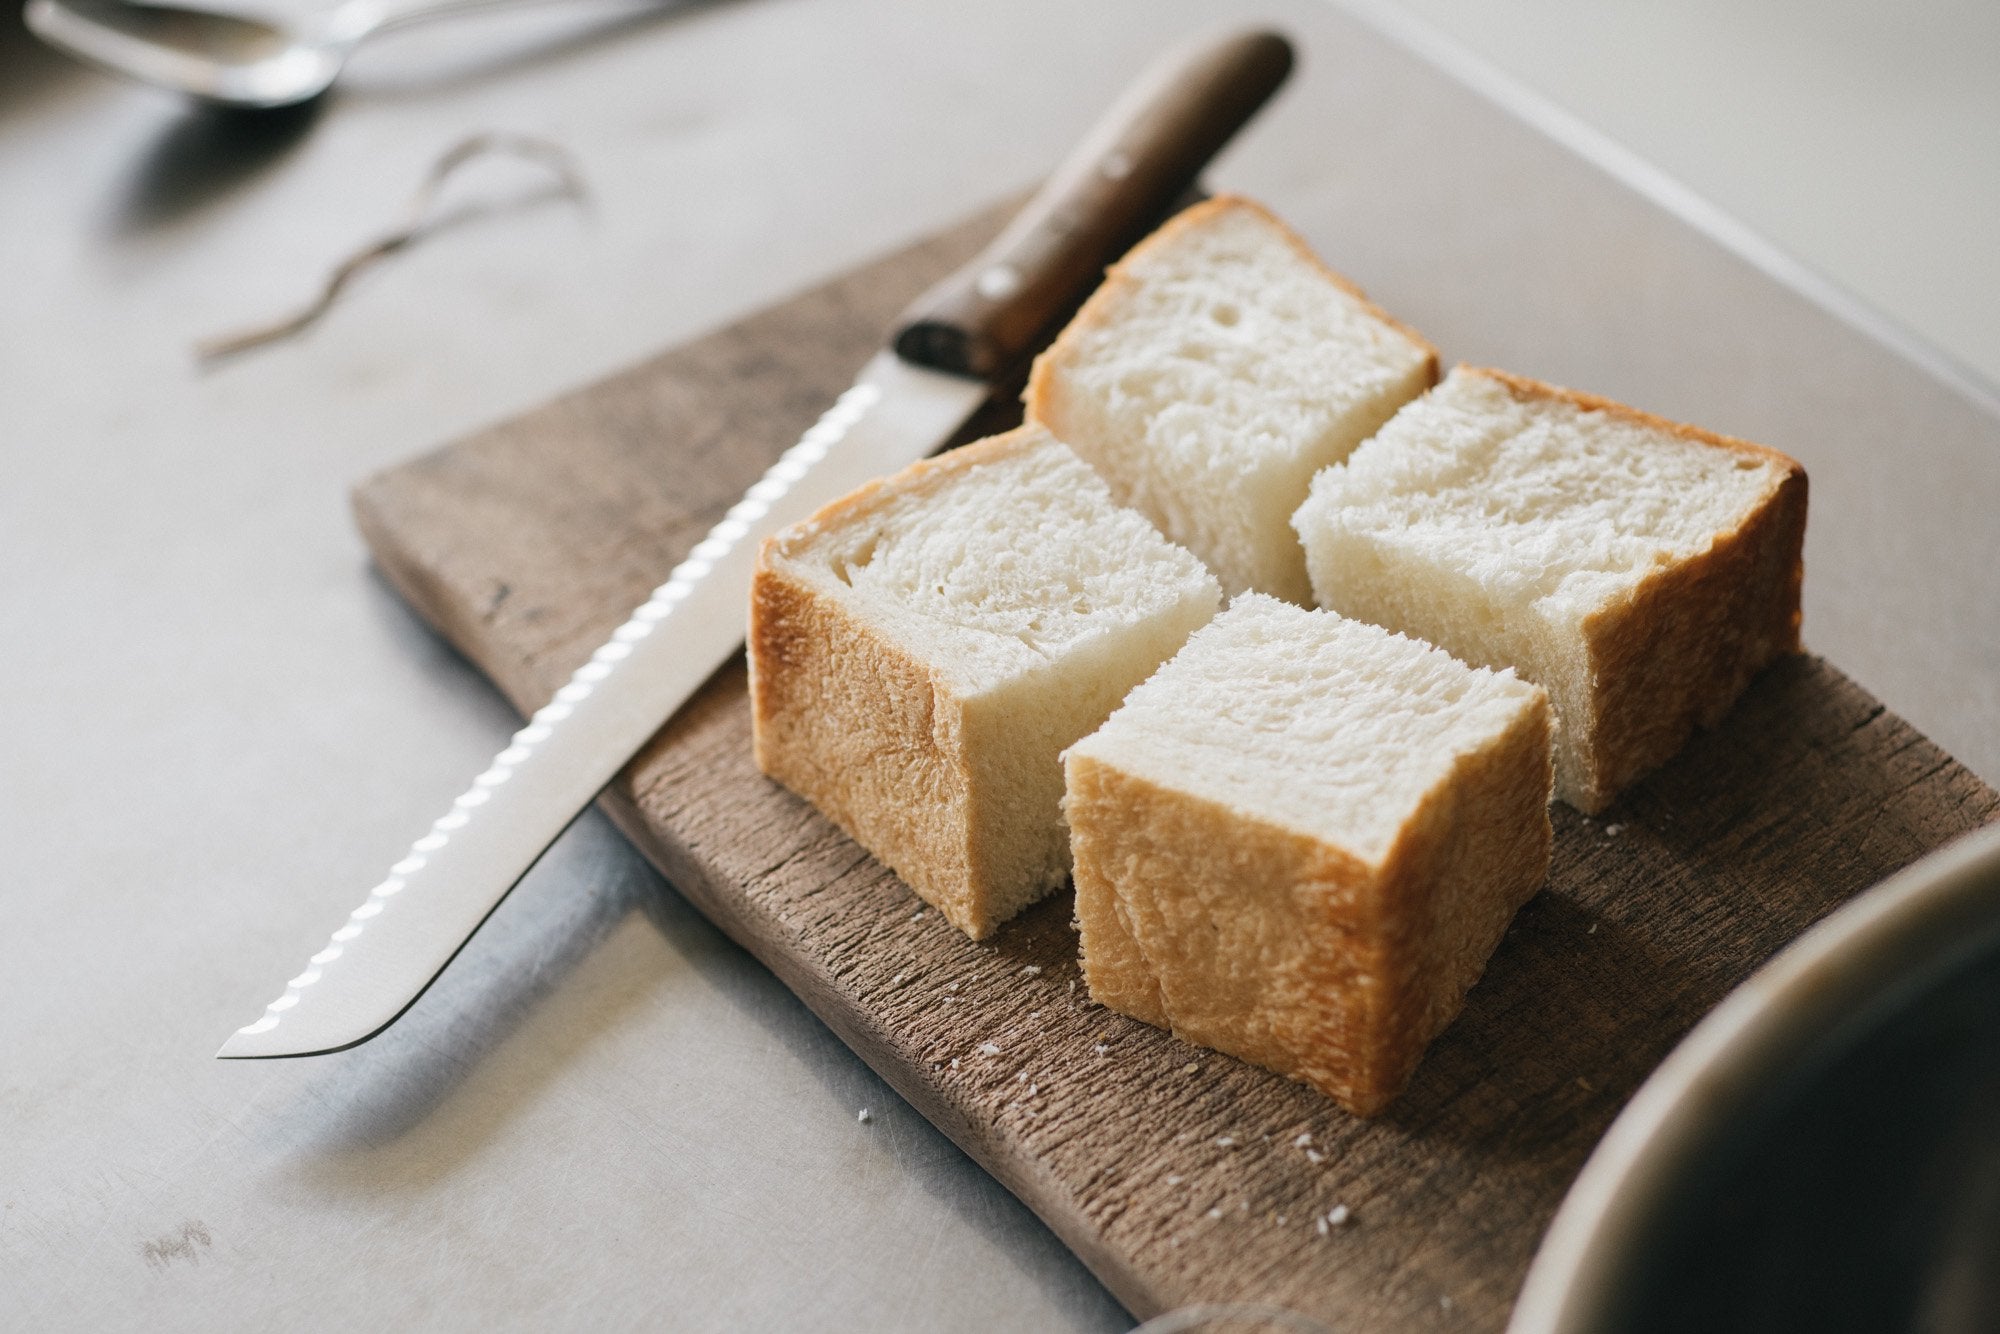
(1178, 1175)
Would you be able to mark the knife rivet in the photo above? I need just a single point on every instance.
(999, 282)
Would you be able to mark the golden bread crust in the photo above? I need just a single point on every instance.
(1246, 935)
(1676, 653)
(865, 731)
(831, 701)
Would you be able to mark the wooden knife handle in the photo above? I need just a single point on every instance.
(1136, 162)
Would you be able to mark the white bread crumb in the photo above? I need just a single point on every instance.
(1216, 369)
(1640, 570)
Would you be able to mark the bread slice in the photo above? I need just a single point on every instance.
(1300, 841)
(922, 650)
(1641, 570)
(1217, 369)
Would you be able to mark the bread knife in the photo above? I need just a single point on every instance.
(948, 352)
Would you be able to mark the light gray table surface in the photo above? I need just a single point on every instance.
(222, 725)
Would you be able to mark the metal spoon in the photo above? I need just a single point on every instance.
(236, 59)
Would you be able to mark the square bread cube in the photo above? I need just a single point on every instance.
(1217, 369)
(1301, 839)
(922, 650)
(1641, 570)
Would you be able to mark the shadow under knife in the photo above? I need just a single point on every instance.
(381, 1102)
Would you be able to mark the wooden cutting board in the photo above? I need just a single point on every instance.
(1178, 1175)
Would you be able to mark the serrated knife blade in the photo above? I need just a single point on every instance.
(948, 349)
(411, 924)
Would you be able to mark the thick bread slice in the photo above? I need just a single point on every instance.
(1643, 571)
(1217, 369)
(922, 650)
(1302, 838)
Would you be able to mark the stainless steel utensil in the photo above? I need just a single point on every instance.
(237, 59)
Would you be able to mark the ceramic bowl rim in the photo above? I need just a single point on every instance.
(1921, 921)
